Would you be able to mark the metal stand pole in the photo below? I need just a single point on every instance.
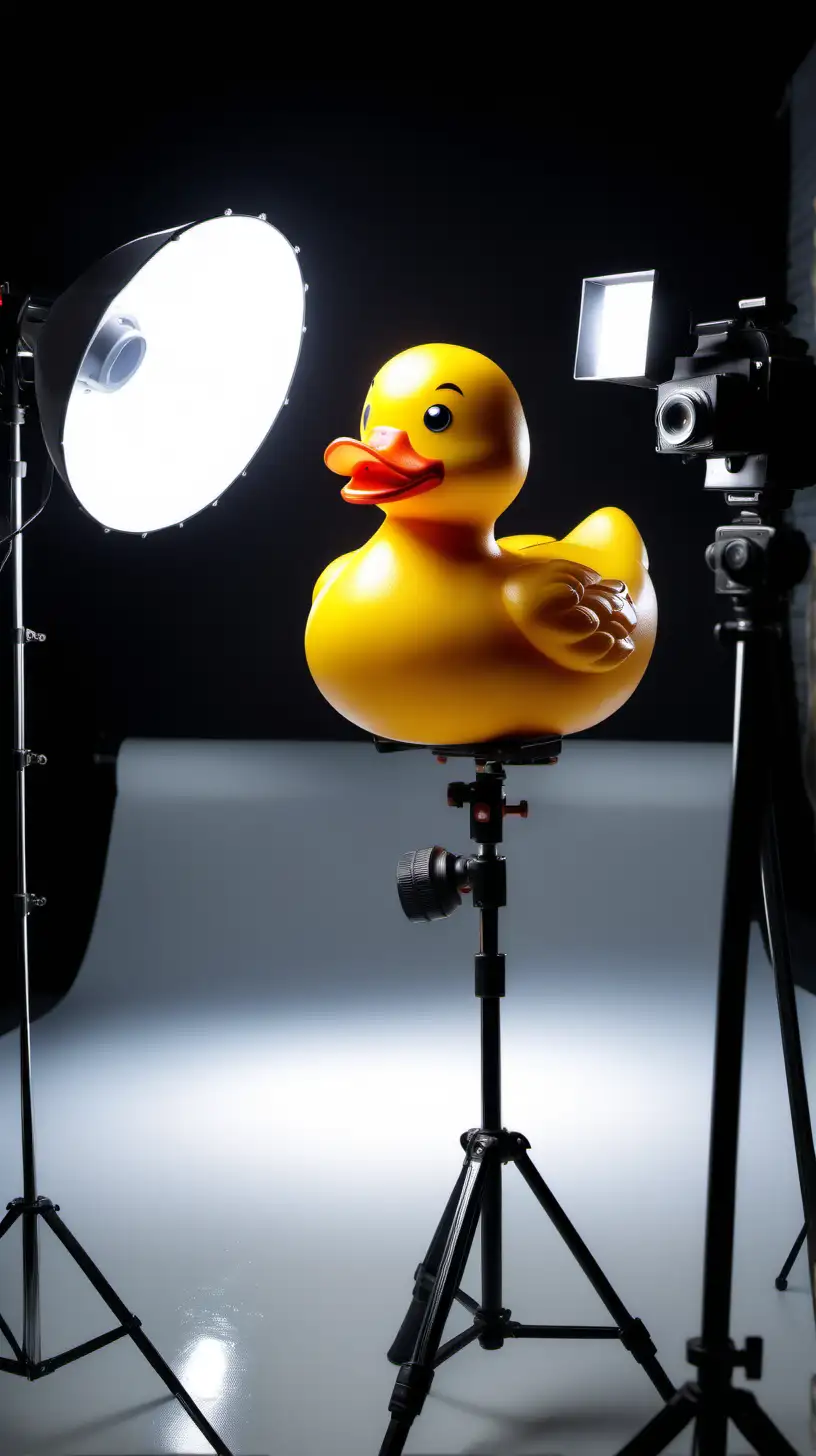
(31, 1253)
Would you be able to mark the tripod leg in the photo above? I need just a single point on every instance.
(403, 1346)
(415, 1376)
(31, 1286)
(634, 1335)
(752, 1423)
(774, 903)
(8, 1335)
(781, 1280)
(668, 1423)
(123, 1314)
(14, 1212)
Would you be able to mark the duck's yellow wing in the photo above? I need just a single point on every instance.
(579, 600)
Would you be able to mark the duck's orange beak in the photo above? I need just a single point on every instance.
(386, 468)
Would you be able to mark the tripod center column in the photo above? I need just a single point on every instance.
(489, 885)
(490, 989)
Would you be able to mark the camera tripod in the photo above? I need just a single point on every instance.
(430, 882)
(756, 564)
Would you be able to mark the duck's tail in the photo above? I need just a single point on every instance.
(621, 550)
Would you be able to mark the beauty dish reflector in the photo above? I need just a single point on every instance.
(160, 372)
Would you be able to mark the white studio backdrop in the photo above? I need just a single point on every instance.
(249, 1103)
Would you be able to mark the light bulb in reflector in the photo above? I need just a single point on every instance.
(114, 354)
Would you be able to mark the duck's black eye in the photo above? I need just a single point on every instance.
(437, 418)
(366, 413)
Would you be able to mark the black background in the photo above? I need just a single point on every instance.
(472, 221)
(423, 211)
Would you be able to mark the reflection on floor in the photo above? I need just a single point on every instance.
(249, 1106)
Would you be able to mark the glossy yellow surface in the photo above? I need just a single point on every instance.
(435, 632)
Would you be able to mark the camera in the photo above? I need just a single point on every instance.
(744, 400)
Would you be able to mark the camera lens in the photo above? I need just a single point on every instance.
(736, 555)
(677, 418)
(681, 418)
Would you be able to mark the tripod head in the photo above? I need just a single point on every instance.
(528, 751)
(431, 882)
(757, 560)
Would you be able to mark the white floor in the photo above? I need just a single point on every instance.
(249, 1106)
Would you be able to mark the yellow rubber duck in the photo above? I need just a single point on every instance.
(434, 632)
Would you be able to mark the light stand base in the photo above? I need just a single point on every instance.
(129, 1324)
(736, 1405)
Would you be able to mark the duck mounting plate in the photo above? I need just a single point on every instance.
(507, 750)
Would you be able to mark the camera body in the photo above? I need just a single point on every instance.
(745, 401)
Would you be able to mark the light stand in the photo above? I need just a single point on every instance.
(757, 564)
(129, 381)
(32, 1207)
(429, 882)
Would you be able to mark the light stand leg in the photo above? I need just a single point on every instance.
(106, 1291)
(758, 1428)
(19, 1364)
(781, 1280)
(776, 921)
(661, 1430)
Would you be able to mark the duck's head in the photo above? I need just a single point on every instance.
(442, 437)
